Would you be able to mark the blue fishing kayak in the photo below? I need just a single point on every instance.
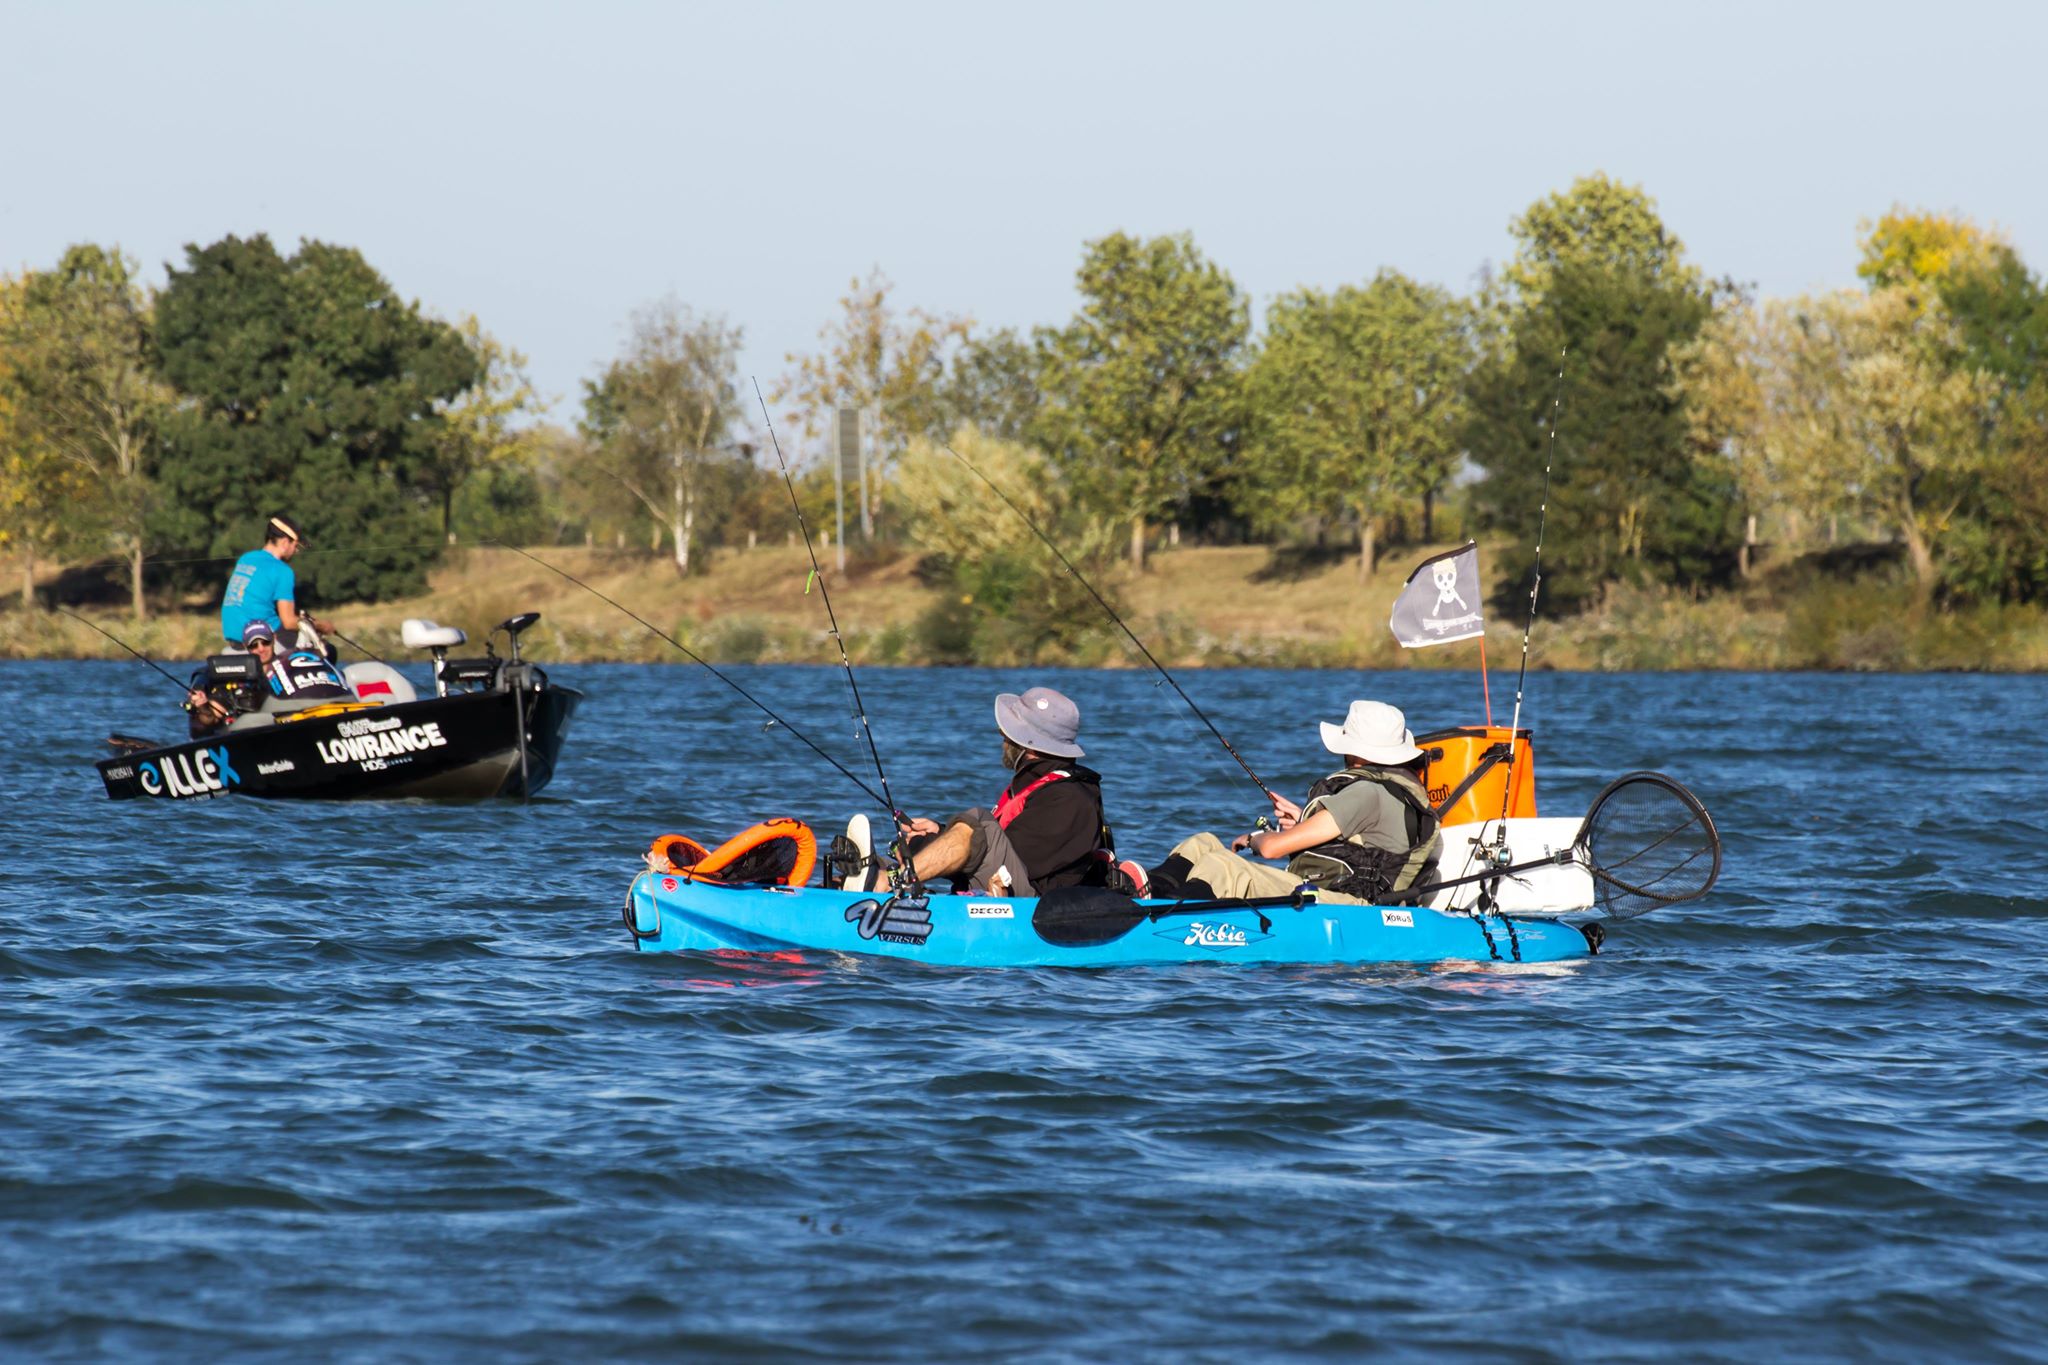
(1083, 928)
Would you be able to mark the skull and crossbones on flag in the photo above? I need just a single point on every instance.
(1441, 600)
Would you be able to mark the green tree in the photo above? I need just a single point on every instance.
(1630, 497)
(888, 365)
(483, 427)
(2000, 311)
(1010, 598)
(43, 496)
(1142, 390)
(659, 418)
(307, 383)
(1599, 224)
(992, 386)
(1600, 289)
(1356, 402)
(87, 390)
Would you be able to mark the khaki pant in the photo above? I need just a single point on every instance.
(1235, 878)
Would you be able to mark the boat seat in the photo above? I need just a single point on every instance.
(420, 634)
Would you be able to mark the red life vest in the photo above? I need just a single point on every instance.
(1010, 807)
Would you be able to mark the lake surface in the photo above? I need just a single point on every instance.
(388, 1082)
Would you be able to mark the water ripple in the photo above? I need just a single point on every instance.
(388, 1082)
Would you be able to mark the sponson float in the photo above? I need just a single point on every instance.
(493, 727)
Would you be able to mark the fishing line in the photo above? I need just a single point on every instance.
(183, 687)
(696, 658)
(867, 731)
(1536, 583)
(1109, 611)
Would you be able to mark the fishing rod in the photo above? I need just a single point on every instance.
(1110, 611)
(696, 658)
(1536, 581)
(185, 687)
(906, 872)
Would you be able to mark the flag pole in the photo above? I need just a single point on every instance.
(1484, 686)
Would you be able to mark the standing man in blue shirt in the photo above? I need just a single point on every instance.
(261, 588)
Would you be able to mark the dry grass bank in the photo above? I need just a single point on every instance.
(1197, 606)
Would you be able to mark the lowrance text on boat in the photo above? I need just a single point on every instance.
(373, 742)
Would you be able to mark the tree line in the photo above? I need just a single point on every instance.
(1687, 431)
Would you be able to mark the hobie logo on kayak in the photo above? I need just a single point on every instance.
(1216, 937)
(196, 772)
(382, 744)
(892, 921)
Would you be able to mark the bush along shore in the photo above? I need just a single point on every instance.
(1195, 607)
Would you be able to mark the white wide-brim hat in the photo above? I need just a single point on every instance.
(1373, 731)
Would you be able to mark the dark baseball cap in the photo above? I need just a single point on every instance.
(258, 630)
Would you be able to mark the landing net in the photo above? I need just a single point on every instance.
(1649, 843)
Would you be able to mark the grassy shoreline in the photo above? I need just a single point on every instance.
(1231, 606)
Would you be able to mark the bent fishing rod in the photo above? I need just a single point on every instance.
(907, 872)
(694, 657)
(1110, 612)
(183, 687)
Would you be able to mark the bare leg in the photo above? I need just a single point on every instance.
(943, 854)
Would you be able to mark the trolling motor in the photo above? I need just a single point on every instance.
(516, 674)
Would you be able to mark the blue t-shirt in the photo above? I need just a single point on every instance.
(261, 580)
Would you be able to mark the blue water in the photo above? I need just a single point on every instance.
(388, 1082)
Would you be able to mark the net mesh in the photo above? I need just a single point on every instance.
(1649, 842)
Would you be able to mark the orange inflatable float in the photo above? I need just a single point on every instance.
(780, 852)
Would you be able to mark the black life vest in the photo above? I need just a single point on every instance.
(1352, 867)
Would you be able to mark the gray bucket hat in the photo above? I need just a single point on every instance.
(1042, 721)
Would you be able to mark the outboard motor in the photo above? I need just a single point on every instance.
(235, 681)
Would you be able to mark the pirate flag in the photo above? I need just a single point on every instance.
(1440, 602)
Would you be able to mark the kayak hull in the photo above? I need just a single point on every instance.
(668, 914)
(464, 746)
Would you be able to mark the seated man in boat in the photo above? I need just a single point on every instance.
(212, 707)
(262, 587)
(1366, 835)
(1046, 830)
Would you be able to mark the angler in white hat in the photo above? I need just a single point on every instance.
(1367, 833)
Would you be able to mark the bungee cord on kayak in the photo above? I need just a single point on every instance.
(1110, 612)
(694, 657)
(906, 874)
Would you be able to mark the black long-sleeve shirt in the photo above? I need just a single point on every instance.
(1061, 825)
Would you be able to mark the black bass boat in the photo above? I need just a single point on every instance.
(493, 727)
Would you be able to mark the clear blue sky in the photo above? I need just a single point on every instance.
(550, 167)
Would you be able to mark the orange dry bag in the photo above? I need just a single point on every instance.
(1455, 756)
(778, 852)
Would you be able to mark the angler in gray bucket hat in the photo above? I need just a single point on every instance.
(1045, 831)
(1041, 720)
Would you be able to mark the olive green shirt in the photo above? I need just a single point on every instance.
(1368, 812)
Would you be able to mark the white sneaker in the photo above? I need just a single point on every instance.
(858, 835)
